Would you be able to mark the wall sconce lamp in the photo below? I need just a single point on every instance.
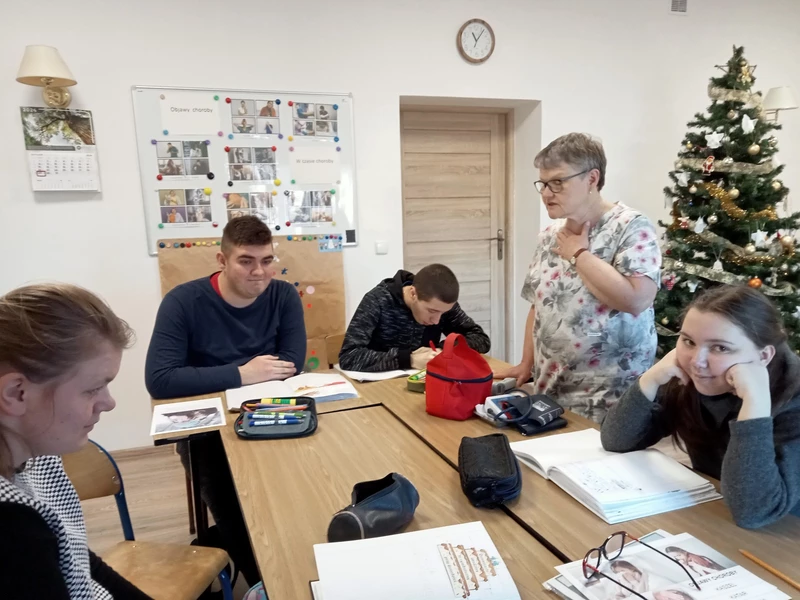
(778, 99)
(43, 66)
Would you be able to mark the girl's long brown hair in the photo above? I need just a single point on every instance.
(757, 317)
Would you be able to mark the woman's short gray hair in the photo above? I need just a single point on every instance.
(579, 150)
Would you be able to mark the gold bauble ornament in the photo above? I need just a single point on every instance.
(733, 193)
(732, 114)
(665, 321)
(753, 149)
(776, 185)
(755, 283)
(750, 248)
(689, 145)
(693, 189)
(787, 241)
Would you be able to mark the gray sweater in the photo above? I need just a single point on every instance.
(757, 460)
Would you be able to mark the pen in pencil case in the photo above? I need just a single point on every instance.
(276, 422)
(273, 401)
(277, 410)
(273, 406)
(278, 416)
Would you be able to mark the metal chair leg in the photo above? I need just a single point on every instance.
(190, 502)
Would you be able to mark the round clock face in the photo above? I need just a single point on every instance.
(476, 41)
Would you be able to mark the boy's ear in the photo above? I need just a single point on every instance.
(766, 355)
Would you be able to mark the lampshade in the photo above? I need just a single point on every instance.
(44, 62)
(780, 98)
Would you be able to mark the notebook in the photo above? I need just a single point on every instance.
(323, 387)
(616, 487)
(380, 376)
(458, 561)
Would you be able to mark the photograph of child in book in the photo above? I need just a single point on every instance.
(730, 394)
(189, 419)
(397, 321)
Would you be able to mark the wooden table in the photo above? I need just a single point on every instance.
(289, 490)
(567, 527)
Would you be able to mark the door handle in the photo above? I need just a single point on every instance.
(500, 239)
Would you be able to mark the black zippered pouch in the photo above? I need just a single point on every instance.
(249, 429)
(490, 473)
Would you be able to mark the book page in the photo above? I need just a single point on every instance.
(445, 563)
(322, 387)
(633, 477)
(187, 417)
(561, 449)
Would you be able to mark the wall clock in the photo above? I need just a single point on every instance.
(475, 41)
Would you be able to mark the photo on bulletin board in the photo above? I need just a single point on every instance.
(243, 108)
(240, 155)
(268, 126)
(197, 166)
(244, 125)
(263, 172)
(173, 215)
(197, 197)
(199, 214)
(311, 207)
(171, 168)
(304, 128)
(195, 150)
(263, 207)
(172, 197)
(237, 201)
(169, 149)
(241, 172)
(267, 108)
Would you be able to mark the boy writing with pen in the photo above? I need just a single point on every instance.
(400, 323)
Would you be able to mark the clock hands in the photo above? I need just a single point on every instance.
(479, 37)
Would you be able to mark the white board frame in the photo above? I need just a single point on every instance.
(147, 121)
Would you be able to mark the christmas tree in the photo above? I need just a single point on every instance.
(725, 196)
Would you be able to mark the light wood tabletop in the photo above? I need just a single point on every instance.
(570, 527)
(290, 489)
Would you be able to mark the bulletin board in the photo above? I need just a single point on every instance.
(208, 155)
(308, 262)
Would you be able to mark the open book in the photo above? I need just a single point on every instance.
(323, 387)
(459, 561)
(616, 487)
(363, 376)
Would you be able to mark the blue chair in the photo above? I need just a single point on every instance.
(168, 571)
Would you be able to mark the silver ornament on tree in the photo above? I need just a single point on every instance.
(753, 149)
(693, 189)
(733, 193)
(750, 248)
(773, 141)
(785, 268)
(713, 219)
(727, 161)
(732, 114)
(776, 185)
(665, 321)
(679, 265)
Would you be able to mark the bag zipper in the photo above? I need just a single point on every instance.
(489, 377)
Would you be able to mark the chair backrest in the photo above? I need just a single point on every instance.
(333, 345)
(94, 474)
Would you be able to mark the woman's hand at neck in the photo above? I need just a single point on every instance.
(593, 211)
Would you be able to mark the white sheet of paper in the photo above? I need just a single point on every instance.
(316, 164)
(382, 376)
(180, 417)
(267, 389)
(189, 113)
(563, 449)
(410, 565)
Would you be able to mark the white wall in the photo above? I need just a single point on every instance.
(622, 69)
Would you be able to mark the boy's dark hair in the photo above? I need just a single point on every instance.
(436, 281)
(245, 231)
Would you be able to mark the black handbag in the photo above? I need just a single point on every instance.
(381, 507)
(490, 473)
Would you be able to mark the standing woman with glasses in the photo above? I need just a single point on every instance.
(590, 332)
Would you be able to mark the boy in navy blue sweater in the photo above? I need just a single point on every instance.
(236, 327)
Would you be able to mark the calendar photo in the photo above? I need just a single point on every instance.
(57, 128)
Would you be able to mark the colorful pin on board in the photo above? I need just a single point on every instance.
(207, 191)
(162, 244)
(166, 132)
(313, 362)
(332, 244)
(277, 182)
(153, 141)
(230, 136)
(220, 133)
(159, 177)
(216, 97)
(284, 270)
(277, 228)
(280, 136)
(161, 226)
(210, 176)
(310, 289)
(274, 192)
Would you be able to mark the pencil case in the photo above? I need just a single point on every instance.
(489, 471)
(279, 425)
(416, 382)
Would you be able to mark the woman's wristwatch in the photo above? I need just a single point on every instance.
(573, 261)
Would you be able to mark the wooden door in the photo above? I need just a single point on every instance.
(454, 206)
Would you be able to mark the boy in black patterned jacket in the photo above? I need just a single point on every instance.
(398, 319)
